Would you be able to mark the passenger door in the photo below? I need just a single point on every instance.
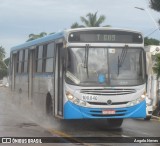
(14, 62)
(59, 81)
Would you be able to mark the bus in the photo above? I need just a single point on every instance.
(83, 73)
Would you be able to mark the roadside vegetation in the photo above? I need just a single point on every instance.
(3, 65)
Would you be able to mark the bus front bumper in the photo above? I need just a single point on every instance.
(72, 111)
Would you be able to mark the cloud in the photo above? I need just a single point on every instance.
(19, 18)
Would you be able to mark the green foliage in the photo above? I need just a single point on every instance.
(150, 41)
(3, 73)
(90, 20)
(2, 53)
(76, 25)
(36, 36)
(155, 5)
(156, 67)
(6, 61)
(3, 68)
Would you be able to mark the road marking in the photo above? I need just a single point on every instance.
(124, 135)
(62, 134)
(127, 129)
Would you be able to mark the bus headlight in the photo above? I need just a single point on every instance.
(75, 100)
(69, 95)
(137, 101)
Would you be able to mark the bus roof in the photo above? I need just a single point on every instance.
(39, 41)
(61, 35)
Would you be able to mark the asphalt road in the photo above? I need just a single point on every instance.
(14, 123)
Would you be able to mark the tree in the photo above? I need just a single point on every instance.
(150, 41)
(6, 61)
(3, 67)
(90, 20)
(2, 53)
(76, 25)
(155, 5)
(36, 36)
(156, 67)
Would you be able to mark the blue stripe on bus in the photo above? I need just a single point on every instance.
(45, 39)
(72, 111)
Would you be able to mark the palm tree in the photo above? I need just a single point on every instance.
(155, 5)
(36, 36)
(92, 20)
(76, 25)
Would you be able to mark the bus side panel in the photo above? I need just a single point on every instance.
(42, 84)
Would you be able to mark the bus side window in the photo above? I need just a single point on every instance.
(26, 61)
(20, 61)
(49, 58)
(17, 62)
(39, 58)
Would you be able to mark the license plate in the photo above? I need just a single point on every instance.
(108, 112)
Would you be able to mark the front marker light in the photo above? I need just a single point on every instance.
(148, 101)
(76, 101)
(83, 103)
(137, 101)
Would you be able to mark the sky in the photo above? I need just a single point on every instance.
(19, 18)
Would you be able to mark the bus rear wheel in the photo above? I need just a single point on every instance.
(49, 106)
(115, 123)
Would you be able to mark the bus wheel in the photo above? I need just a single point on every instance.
(49, 106)
(147, 118)
(115, 123)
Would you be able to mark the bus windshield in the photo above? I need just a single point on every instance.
(105, 66)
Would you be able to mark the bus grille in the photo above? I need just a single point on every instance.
(109, 92)
(103, 103)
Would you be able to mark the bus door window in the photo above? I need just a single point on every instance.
(49, 58)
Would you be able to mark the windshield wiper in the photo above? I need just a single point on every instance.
(86, 58)
(122, 57)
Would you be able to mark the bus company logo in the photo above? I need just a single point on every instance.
(109, 102)
(6, 140)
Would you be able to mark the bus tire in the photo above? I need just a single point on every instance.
(147, 118)
(49, 105)
(115, 123)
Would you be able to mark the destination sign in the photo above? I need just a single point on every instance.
(105, 36)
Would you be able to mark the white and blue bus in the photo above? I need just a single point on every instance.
(84, 73)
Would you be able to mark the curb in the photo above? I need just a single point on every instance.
(156, 118)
